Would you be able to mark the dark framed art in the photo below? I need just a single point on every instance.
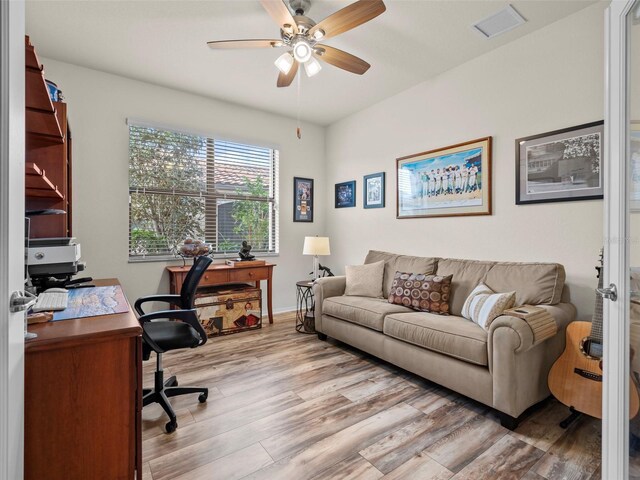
(346, 194)
(445, 182)
(560, 166)
(302, 199)
(373, 190)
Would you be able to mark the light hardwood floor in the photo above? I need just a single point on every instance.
(284, 405)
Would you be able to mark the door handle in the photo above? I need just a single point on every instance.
(610, 292)
(20, 301)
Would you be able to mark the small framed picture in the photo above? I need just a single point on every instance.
(346, 194)
(302, 199)
(560, 166)
(445, 182)
(373, 190)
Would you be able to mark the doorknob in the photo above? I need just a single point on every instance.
(610, 293)
(21, 301)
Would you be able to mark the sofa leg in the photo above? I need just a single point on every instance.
(322, 336)
(508, 422)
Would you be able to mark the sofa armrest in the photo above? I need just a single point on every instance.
(514, 334)
(324, 288)
(518, 366)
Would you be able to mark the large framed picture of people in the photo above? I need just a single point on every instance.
(302, 199)
(560, 166)
(445, 182)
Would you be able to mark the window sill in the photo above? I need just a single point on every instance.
(171, 258)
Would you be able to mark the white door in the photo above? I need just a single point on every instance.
(621, 428)
(11, 237)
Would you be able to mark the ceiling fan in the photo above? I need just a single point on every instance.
(300, 35)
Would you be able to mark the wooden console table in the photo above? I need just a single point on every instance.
(83, 398)
(220, 274)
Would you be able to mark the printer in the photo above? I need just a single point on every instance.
(53, 257)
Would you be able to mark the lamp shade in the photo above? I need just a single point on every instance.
(316, 246)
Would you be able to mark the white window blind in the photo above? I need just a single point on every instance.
(184, 185)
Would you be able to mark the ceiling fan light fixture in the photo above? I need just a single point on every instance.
(312, 67)
(284, 62)
(318, 34)
(301, 50)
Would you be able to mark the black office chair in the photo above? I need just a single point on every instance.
(172, 330)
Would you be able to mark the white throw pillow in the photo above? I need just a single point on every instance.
(364, 280)
(483, 305)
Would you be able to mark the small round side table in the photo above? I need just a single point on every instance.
(305, 320)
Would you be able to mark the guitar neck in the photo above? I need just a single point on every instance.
(596, 325)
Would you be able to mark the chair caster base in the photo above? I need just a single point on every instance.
(202, 398)
(171, 426)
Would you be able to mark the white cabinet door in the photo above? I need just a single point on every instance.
(621, 367)
(12, 242)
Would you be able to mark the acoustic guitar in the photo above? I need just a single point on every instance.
(576, 377)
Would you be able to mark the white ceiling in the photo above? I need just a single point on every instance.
(164, 42)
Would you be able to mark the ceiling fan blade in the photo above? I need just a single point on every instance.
(341, 59)
(280, 13)
(245, 44)
(349, 17)
(285, 80)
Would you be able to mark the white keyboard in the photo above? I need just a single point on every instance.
(51, 301)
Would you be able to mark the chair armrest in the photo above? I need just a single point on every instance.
(323, 288)
(187, 316)
(171, 299)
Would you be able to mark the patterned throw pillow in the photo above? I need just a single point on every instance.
(483, 305)
(425, 293)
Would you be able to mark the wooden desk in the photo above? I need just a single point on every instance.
(220, 274)
(83, 398)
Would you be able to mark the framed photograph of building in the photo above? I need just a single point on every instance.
(373, 190)
(445, 182)
(346, 194)
(560, 166)
(302, 199)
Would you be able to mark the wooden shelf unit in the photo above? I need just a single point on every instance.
(47, 151)
(38, 185)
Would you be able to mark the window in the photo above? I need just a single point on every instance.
(183, 185)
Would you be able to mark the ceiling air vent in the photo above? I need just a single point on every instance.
(500, 22)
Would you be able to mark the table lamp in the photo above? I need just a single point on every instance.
(316, 246)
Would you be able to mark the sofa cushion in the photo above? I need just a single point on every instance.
(424, 293)
(534, 283)
(450, 335)
(467, 274)
(365, 311)
(402, 263)
(364, 280)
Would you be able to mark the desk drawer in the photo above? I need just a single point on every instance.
(211, 277)
(248, 274)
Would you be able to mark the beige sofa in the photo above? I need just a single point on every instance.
(501, 368)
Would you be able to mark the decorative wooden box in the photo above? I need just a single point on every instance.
(229, 309)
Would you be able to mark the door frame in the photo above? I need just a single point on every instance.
(12, 133)
(616, 368)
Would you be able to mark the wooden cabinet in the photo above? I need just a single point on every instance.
(83, 398)
(220, 274)
(47, 153)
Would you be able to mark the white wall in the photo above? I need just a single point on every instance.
(99, 104)
(550, 79)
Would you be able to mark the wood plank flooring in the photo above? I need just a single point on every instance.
(284, 405)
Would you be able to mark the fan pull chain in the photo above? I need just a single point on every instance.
(298, 129)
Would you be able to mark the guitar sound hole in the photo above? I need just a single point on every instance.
(591, 348)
